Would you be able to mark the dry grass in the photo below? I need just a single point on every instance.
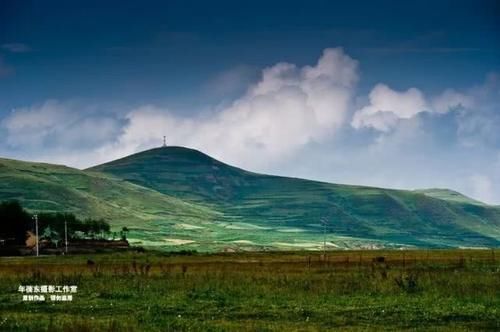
(349, 290)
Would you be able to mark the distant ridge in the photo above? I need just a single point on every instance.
(178, 198)
(431, 217)
(449, 195)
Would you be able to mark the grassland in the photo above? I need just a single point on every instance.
(449, 290)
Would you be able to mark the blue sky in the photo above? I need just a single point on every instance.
(385, 93)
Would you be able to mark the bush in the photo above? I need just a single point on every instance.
(408, 282)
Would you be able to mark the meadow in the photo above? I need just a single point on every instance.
(450, 290)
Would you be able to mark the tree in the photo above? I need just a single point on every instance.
(15, 222)
(124, 233)
(56, 223)
(51, 235)
(95, 228)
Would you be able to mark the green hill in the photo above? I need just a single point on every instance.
(177, 198)
(449, 195)
(280, 211)
(50, 188)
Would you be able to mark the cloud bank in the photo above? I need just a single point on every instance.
(388, 106)
(299, 121)
(285, 110)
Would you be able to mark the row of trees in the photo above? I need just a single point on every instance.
(15, 223)
(52, 227)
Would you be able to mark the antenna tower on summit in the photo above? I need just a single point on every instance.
(164, 141)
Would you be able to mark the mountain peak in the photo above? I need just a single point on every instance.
(164, 154)
(177, 171)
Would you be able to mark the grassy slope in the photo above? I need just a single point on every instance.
(449, 195)
(45, 187)
(293, 207)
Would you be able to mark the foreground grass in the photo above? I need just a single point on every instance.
(415, 290)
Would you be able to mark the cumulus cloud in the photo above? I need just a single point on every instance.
(447, 140)
(451, 99)
(285, 110)
(297, 121)
(478, 126)
(58, 125)
(232, 81)
(388, 106)
(288, 108)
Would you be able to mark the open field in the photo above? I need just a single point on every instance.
(423, 290)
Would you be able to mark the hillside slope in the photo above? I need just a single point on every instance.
(293, 206)
(449, 195)
(50, 188)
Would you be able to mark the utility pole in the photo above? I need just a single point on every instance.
(36, 233)
(324, 239)
(66, 234)
(323, 221)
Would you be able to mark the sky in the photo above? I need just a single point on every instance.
(392, 94)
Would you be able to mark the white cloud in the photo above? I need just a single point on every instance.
(478, 125)
(450, 99)
(387, 106)
(482, 188)
(286, 109)
(28, 126)
(40, 117)
(231, 81)
(435, 141)
(418, 141)
(58, 125)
